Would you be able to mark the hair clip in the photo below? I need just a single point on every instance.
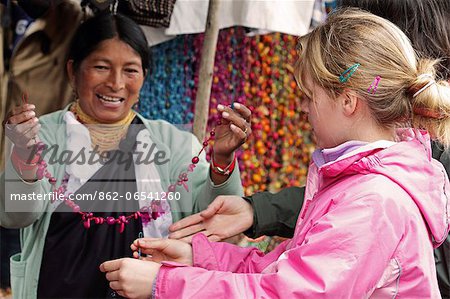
(348, 73)
(432, 81)
(373, 87)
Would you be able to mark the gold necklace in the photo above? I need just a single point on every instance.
(104, 137)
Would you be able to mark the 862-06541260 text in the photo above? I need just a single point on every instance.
(131, 196)
(99, 195)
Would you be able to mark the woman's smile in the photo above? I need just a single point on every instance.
(110, 101)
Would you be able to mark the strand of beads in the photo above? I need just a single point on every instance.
(147, 213)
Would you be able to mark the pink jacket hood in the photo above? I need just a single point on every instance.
(406, 172)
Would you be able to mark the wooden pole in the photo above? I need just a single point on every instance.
(206, 71)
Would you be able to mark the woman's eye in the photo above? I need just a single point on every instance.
(131, 71)
(100, 67)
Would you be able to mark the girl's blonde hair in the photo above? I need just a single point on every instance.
(352, 36)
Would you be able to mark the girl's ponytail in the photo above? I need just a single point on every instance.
(430, 102)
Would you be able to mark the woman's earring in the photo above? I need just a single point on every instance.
(136, 105)
(75, 94)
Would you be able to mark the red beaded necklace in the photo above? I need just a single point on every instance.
(149, 213)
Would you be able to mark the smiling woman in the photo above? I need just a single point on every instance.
(99, 146)
(108, 81)
(107, 71)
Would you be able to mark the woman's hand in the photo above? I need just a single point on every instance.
(22, 127)
(158, 250)
(232, 133)
(131, 278)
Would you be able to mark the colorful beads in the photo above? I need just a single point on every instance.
(76, 208)
(167, 91)
(110, 220)
(255, 71)
(277, 153)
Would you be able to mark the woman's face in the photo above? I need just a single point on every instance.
(108, 81)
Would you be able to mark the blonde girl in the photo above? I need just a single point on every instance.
(376, 203)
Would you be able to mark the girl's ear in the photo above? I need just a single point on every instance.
(349, 102)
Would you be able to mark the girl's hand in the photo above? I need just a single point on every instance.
(158, 250)
(131, 278)
(232, 133)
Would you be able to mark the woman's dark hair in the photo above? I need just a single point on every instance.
(106, 26)
(425, 22)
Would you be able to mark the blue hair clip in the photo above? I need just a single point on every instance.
(348, 73)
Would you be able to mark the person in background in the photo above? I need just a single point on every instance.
(34, 38)
(376, 203)
(271, 214)
(99, 146)
(34, 48)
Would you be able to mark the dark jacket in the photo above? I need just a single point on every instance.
(276, 215)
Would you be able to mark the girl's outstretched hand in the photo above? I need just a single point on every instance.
(158, 250)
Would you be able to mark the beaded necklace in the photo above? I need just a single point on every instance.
(151, 212)
(104, 137)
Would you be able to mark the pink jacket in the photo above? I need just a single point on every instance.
(367, 229)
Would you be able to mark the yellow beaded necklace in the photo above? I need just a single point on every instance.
(104, 137)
